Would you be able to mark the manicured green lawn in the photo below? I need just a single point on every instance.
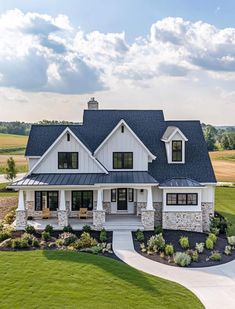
(225, 204)
(57, 279)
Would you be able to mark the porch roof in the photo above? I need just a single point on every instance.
(180, 182)
(73, 179)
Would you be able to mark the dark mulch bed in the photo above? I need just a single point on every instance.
(173, 237)
(94, 234)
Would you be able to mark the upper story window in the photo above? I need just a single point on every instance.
(176, 151)
(182, 199)
(68, 137)
(68, 160)
(123, 160)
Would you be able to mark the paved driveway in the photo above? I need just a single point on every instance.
(214, 286)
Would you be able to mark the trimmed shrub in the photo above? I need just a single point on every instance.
(219, 223)
(9, 217)
(105, 247)
(24, 243)
(158, 229)
(49, 228)
(139, 235)
(15, 243)
(156, 243)
(4, 234)
(182, 259)
(231, 240)
(213, 237)
(85, 241)
(67, 238)
(215, 256)
(45, 236)
(228, 250)
(143, 247)
(68, 229)
(103, 235)
(30, 229)
(184, 242)
(200, 247)
(35, 242)
(86, 228)
(209, 244)
(169, 249)
(193, 254)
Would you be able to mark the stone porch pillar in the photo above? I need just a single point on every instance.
(21, 213)
(147, 215)
(62, 212)
(99, 213)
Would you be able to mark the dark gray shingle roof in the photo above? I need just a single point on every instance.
(149, 126)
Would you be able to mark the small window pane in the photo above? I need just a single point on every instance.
(117, 160)
(128, 160)
(130, 195)
(171, 199)
(113, 195)
(38, 201)
(192, 199)
(176, 151)
(182, 199)
(53, 200)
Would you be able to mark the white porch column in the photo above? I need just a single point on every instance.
(21, 214)
(149, 199)
(147, 215)
(99, 213)
(99, 199)
(62, 212)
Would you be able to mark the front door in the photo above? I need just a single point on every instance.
(121, 199)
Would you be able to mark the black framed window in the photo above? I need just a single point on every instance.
(123, 160)
(68, 137)
(82, 199)
(176, 151)
(113, 195)
(46, 199)
(131, 195)
(182, 199)
(68, 160)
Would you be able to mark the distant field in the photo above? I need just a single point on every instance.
(224, 164)
(13, 146)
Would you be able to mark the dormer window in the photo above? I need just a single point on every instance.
(175, 144)
(176, 151)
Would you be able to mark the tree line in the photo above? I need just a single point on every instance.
(217, 138)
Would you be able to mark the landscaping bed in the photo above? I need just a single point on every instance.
(173, 236)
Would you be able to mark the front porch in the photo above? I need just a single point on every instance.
(112, 208)
(112, 223)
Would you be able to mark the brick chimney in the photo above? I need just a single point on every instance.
(93, 104)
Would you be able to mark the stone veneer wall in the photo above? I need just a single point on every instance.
(157, 214)
(207, 213)
(187, 221)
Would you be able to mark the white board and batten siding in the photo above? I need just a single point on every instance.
(123, 142)
(86, 164)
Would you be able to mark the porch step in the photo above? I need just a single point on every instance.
(123, 226)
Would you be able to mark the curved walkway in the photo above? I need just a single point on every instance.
(214, 286)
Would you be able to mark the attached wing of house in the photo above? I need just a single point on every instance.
(127, 164)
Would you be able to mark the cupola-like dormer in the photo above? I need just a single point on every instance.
(174, 140)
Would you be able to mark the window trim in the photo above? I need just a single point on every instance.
(177, 204)
(122, 158)
(82, 191)
(47, 198)
(70, 168)
(132, 195)
(113, 200)
(173, 151)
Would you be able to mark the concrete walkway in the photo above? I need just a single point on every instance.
(214, 286)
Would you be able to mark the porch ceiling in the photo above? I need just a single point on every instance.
(72, 179)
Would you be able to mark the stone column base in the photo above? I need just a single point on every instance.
(98, 219)
(62, 218)
(147, 219)
(21, 219)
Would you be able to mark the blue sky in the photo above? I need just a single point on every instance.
(132, 16)
(173, 55)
